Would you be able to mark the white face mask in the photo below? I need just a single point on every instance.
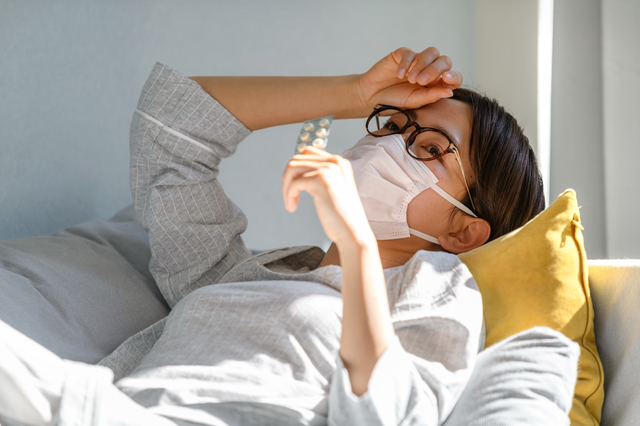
(388, 178)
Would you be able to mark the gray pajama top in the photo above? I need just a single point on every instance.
(256, 339)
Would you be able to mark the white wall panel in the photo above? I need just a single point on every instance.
(71, 72)
(506, 51)
(621, 84)
(576, 128)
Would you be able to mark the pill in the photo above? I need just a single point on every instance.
(314, 133)
(319, 143)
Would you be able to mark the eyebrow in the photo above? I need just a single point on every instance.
(414, 117)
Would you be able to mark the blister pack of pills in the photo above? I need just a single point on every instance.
(314, 133)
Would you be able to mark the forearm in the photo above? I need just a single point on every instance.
(260, 102)
(367, 330)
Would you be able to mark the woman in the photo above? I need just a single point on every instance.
(503, 176)
(380, 329)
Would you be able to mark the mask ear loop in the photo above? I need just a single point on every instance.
(412, 162)
(457, 154)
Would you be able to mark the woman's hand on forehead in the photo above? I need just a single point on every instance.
(409, 79)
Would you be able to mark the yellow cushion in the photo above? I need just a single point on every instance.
(537, 276)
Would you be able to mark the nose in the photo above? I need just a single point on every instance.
(409, 130)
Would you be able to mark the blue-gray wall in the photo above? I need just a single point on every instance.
(71, 72)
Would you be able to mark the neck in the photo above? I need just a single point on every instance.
(392, 252)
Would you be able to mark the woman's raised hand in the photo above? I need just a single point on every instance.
(329, 180)
(367, 330)
(408, 79)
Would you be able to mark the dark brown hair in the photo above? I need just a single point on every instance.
(508, 190)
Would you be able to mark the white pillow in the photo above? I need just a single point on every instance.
(83, 291)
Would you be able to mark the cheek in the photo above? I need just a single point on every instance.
(449, 178)
(428, 212)
(436, 167)
(441, 171)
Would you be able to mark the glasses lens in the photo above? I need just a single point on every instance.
(387, 123)
(428, 144)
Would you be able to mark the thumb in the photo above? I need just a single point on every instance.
(427, 95)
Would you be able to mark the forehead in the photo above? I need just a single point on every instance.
(452, 116)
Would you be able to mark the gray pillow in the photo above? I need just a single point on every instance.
(82, 291)
(527, 379)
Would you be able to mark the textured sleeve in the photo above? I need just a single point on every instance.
(179, 134)
(130, 353)
(526, 379)
(396, 394)
(38, 388)
(436, 310)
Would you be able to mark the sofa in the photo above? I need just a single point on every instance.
(84, 290)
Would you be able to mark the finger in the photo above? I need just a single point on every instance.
(407, 57)
(310, 157)
(289, 175)
(310, 181)
(421, 62)
(308, 154)
(291, 194)
(296, 165)
(426, 96)
(336, 167)
(450, 80)
(290, 201)
(290, 197)
(434, 70)
(296, 169)
(307, 161)
(314, 152)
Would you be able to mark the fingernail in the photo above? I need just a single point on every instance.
(401, 72)
(449, 75)
(413, 76)
(423, 79)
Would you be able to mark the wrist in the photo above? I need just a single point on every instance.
(357, 244)
(352, 101)
(363, 106)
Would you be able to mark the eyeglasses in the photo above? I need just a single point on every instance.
(423, 144)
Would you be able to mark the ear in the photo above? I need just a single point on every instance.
(473, 232)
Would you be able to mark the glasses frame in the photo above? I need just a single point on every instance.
(452, 148)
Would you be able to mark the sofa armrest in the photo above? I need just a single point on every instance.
(615, 290)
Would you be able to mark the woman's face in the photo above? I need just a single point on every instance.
(429, 212)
